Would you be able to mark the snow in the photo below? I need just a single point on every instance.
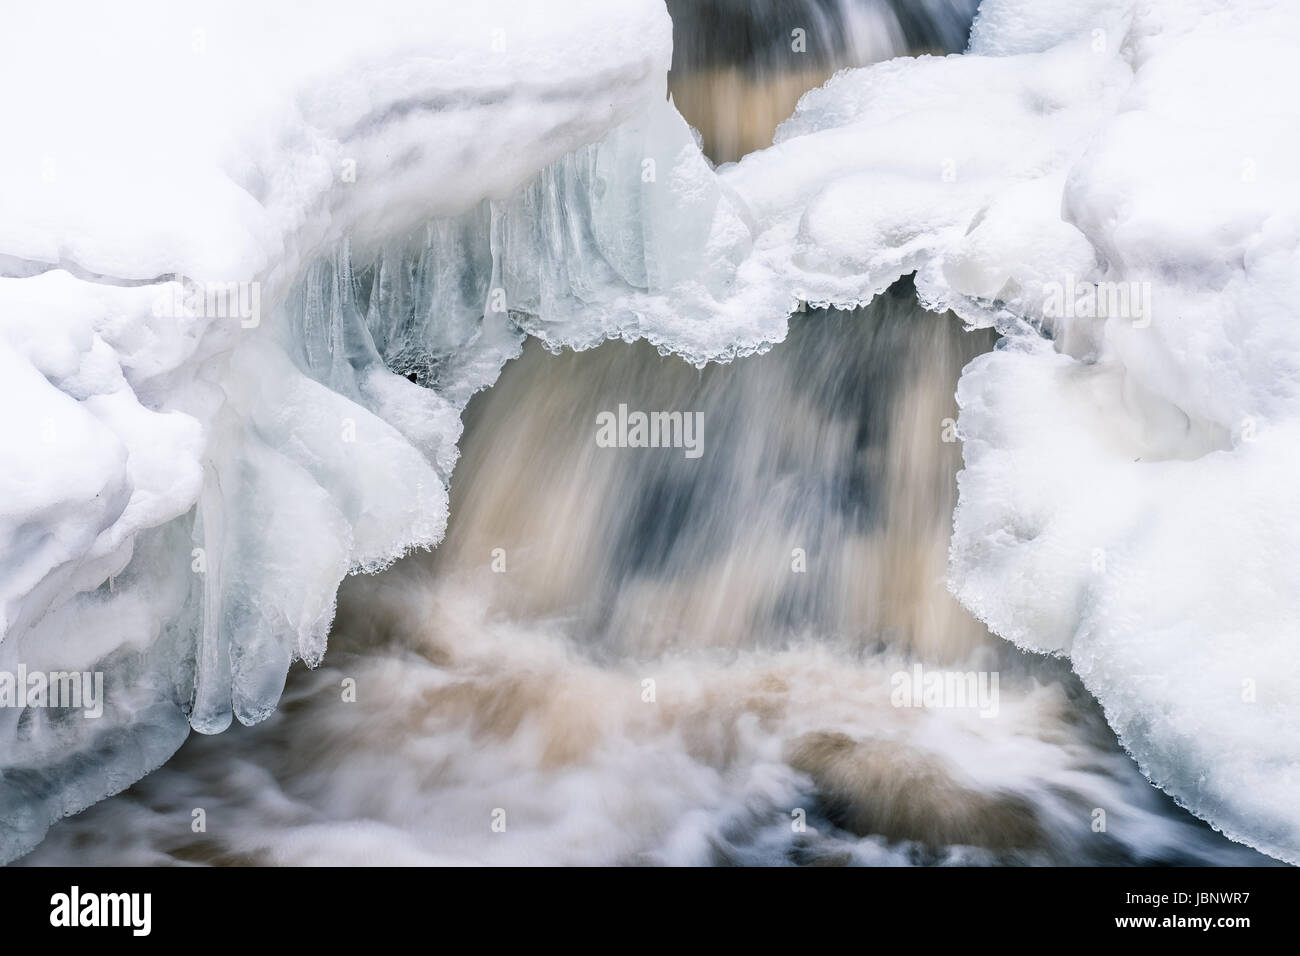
(1126, 498)
(1127, 495)
(189, 475)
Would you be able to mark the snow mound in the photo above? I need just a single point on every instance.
(1110, 187)
(193, 470)
(1107, 183)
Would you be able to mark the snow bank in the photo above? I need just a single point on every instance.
(190, 472)
(1105, 182)
(1110, 186)
(1127, 498)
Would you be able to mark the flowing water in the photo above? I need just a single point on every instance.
(740, 66)
(682, 655)
(615, 655)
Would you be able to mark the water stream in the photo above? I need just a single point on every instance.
(690, 654)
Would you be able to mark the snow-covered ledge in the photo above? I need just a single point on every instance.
(1127, 498)
(178, 501)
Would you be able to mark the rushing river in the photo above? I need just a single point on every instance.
(701, 654)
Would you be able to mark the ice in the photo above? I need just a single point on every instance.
(517, 171)
(1126, 497)
(206, 438)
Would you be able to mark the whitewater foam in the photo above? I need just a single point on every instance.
(1114, 143)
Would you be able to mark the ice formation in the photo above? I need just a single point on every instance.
(415, 191)
(1125, 498)
(204, 439)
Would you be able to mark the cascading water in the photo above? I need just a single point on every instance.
(615, 653)
(644, 655)
(739, 66)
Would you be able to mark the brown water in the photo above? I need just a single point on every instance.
(630, 655)
(768, 732)
(740, 66)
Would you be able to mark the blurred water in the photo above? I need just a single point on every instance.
(504, 676)
(740, 66)
(629, 655)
